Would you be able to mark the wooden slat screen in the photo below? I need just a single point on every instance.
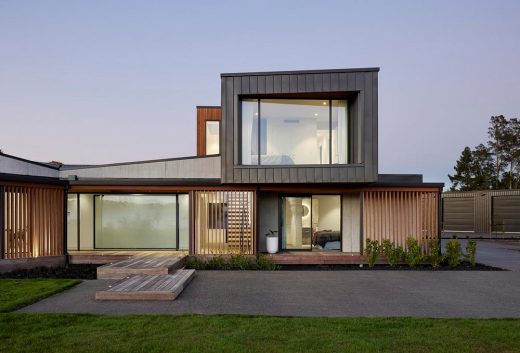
(397, 215)
(224, 222)
(33, 221)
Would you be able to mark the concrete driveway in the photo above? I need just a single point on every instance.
(329, 293)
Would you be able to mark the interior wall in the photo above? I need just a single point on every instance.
(86, 221)
(329, 217)
(351, 237)
(267, 217)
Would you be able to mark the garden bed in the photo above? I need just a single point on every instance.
(464, 266)
(70, 271)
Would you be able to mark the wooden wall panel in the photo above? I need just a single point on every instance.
(397, 215)
(235, 218)
(33, 221)
(205, 114)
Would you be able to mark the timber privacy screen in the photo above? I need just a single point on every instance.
(32, 221)
(224, 222)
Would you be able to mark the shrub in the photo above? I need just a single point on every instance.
(240, 262)
(372, 251)
(265, 263)
(195, 263)
(471, 252)
(453, 252)
(217, 263)
(436, 257)
(394, 254)
(413, 252)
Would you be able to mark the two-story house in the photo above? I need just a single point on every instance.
(295, 152)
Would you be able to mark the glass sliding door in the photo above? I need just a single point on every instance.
(135, 221)
(296, 227)
(311, 223)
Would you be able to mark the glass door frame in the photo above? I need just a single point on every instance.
(281, 212)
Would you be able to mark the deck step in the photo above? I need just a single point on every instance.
(149, 264)
(143, 287)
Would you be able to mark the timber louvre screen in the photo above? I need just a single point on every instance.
(32, 221)
(224, 222)
(397, 215)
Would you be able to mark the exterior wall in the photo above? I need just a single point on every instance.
(205, 114)
(399, 214)
(362, 83)
(32, 220)
(483, 210)
(13, 165)
(182, 168)
(351, 222)
(268, 216)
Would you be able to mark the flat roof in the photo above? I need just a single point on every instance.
(266, 73)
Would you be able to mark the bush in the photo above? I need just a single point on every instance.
(471, 252)
(195, 263)
(436, 257)
(394, 254)
(453, 252)
(265, 263)
(372, 251)
(217, 263)
(240, 262)
(413, 252)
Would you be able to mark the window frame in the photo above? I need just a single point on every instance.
(258, 122)
(206, 137)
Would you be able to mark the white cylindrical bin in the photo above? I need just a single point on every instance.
(272, 245)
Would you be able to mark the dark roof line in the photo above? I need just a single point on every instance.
(41, 164)
(31, 179)
(145, 182)
(266, 73)
(69, 167)
(209, 106)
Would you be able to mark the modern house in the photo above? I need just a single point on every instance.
(294, 152)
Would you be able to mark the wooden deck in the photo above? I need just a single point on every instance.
(143, 287)
(101, 257)
(154, 263)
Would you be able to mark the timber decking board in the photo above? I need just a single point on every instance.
(152, 263)
(143, 287)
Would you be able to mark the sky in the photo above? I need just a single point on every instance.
(113, 81)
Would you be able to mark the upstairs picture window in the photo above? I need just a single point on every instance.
(212, 137)
(294, 131)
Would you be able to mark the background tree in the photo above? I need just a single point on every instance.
(462, 178)
(495, 166)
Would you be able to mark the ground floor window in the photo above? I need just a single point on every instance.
(311, 222)
(124, 221)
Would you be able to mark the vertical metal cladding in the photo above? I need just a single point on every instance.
(483, 206)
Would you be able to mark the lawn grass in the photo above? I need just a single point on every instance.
(16, 293)
(232, 333)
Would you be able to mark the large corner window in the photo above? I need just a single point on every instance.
(212, 137)
(294, 131)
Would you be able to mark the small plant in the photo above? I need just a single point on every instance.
(453, 252)
(195, 263)
(413, 252)
(272, 233)
(240, 262)
(436, 257)
(217, 263)
(394, 254)
(471, 252)
(265, 263)
(372, 251)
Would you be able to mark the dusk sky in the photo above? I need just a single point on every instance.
(113, 81)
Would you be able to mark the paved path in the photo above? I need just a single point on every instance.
(498, 253)
(319, 293)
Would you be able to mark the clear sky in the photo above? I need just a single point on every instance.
(112, 81)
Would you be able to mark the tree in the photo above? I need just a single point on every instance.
(511, 152)
(497, 147)
(482, 168)
(462, 179)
